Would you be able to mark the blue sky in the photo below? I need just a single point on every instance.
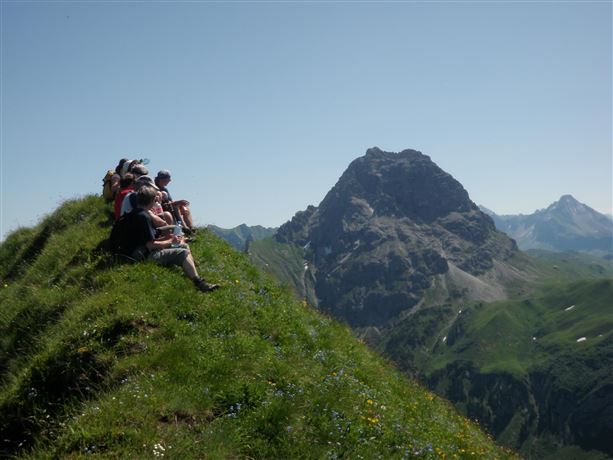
(257, 108)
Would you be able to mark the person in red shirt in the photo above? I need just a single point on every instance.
(126, 185)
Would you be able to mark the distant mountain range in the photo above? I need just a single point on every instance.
(399, 251)
(240, 236)
(565, 225)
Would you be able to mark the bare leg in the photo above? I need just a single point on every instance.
(168, 218)
(189, 268)
(157, 220)
(187, 216)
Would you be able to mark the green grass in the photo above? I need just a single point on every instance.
(130, 361)
(572, 265)
(516, 335)
(285, 262)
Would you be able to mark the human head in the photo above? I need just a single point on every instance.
(139, 170)
(126, 181)
(125, 167)
(145, 196)
(163, 177)
(120, 165)
(144, 181)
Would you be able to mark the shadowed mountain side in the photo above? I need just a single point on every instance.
(391, 223)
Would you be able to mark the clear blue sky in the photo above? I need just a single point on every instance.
(257, 108)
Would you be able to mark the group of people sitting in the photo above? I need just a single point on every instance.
(149, 223)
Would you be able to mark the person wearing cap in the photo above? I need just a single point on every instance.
(142, 242)
(182, 206)
(138, 170)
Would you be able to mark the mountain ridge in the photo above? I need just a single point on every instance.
(241, 235)
(446, 279)
(119, 360)
(391, 223)
(564, 225)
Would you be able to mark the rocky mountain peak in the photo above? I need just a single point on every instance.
(406, 184)
(565, 225)
(391, 223)
(567, 203)
(567, 199)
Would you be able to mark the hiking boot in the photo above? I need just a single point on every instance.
(203, 286)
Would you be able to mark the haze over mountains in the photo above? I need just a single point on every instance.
(240, 236)
(565, 225)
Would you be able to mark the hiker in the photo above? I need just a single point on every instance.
(127, 165)
(129, 203)
(140, 179)
(182, 206)
(126, 186)
(158, 210)
(141, 242)
(138, 169)
(115, 186)
(110, 182)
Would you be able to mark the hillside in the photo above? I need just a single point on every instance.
(535, 370)
(114, 360)
(399, 251)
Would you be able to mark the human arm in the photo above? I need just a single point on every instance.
(164, 242)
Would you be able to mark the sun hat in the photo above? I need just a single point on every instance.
(143, 181)
(139, 169)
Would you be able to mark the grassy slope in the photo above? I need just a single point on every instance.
(513, 336)
(518, 344)
(130, 361)
(285, 262)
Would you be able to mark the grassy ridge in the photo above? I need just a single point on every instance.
(516, 335)
(131, 361)
(536, 370)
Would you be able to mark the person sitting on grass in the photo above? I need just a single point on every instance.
(126, 186)
(158, 210)
(116, 178)
(129, 203)
(141, 241)
(182, 206)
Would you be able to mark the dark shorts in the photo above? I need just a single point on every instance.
(171, 256)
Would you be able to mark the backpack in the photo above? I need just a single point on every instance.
(107, 191)
(120, 241)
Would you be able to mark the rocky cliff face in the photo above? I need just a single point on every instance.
(391, 223)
